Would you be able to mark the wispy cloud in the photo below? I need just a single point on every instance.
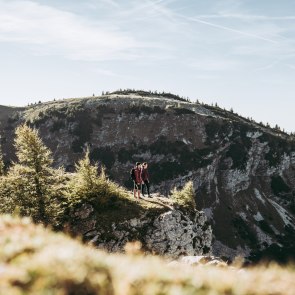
(54, 31)
(268, 66)
(247, 17)
(240, 32)
(146, 31)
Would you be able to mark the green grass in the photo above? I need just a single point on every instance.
(35, 261)
(185, 198)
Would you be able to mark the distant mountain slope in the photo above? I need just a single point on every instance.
(243, 172)
(7, 112)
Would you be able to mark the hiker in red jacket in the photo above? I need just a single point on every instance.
(136, 177)
(145, 179)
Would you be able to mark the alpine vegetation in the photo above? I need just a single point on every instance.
(31, 186)
(185, 198)
(90, 186)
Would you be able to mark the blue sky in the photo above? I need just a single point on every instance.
(238, 53)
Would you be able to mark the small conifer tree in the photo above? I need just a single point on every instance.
(84, 182)
(90, 186)
(31, 184)
(185, 198)
(35, 159)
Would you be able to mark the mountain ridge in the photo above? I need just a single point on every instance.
(218, 111)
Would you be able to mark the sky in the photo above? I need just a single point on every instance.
(239, 54)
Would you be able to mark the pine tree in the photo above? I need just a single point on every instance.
(277, 127)
(31, 183)
(84, 182)
(30, 150)
(34, 167)
(90, 186)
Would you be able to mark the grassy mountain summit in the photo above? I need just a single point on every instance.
(242, 172)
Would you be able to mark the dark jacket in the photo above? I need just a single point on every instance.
(145, 175)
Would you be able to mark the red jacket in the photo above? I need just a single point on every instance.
(137, 173)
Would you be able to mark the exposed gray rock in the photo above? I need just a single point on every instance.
(172, 233)
(175, 234)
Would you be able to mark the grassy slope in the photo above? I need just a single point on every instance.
(37, 261)
(117, 210)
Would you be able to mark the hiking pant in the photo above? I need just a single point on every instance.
(147, 185)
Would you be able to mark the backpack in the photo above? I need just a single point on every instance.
(132, 174)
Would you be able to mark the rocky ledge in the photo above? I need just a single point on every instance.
(172, 233)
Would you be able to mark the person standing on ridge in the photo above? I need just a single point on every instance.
(145, 179)
(136, 177)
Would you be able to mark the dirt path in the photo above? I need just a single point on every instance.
(158, 201)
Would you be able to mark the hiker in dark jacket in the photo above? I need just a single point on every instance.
(136, 177)
(145, 179)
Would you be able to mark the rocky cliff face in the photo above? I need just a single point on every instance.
(171, 233)
(243, 173)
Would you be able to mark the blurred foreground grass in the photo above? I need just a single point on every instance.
(34, 260)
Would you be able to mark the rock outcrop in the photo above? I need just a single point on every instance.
(172, 233)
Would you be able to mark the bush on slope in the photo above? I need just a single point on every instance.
(185, 197)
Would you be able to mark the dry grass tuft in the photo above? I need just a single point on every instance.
(133, 248)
